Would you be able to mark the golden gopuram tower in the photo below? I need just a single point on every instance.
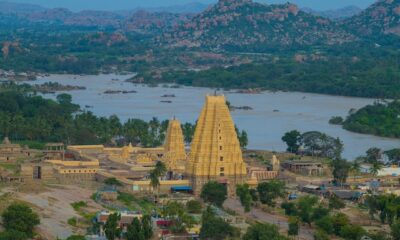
(215, 152)
(174, 147)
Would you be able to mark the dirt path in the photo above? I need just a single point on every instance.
(55, 209)
(261, 216)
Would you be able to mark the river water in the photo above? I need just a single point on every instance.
(273, 114)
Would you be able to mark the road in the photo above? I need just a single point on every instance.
(305, 233)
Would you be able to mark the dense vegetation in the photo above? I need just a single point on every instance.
(313, 144)
(19, 221)
(370, 75)
(381, 118)
(25, 116)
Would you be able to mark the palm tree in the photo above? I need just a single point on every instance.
(376, 166)
(355, 168)
(159, 170)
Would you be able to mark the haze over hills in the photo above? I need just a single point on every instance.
(233, 25)
(336, 14)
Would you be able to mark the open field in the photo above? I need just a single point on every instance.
(53, 204)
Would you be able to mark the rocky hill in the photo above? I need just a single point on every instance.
(153, 22)
(243, 25)
(383, 17)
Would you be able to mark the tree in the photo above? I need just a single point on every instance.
(340, 171)
(159, 170)
(243, 192)
(188, 132)
(355, 168)
(147, 227)
(263, 232)
(294, 226)
(112, 182)
(13, 235)
(321, 235)
(319, 144)
(375, 168)
(175, 212)
(335, 202)
(111, 228)
(214, 193)
(243, 139)
(154, 181)
(269, 191)
(337, 120)
(319, 212)
(325, 224)
(290, 208)
(20, 218)
(193, 206)
(395, 230)
(292, 140)
(215, 228)
(76, 237)
(393, 155)
(352, 232)
(305, 208)
(339, 220)
(135, 231)
(373, 155)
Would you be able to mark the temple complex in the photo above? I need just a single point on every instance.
(174, 147)
(11, 152)
(215, 152)
(215, 155)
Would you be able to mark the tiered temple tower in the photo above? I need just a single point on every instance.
(174, 146)
(276, 164)
(215, 151)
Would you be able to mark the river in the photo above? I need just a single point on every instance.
(273, 114)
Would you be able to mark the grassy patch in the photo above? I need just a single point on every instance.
(78, 205)
(134, 203)
(9, 166)
(126, 198)
(73, 221)
(94, 197)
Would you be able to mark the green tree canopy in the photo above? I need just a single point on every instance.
(20, 218)
(395, 230)
(214, 193)
(292, 140)
(262, 231)
(243, 192)
(269, 191)
(112, 181)
(193, 206)
(111, 228)
(135, 231)
(215, 228)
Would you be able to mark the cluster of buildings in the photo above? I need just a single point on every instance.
(215, 155)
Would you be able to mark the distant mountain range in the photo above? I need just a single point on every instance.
(233, 25)
(336, 14)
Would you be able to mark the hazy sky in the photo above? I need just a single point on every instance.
(129, 4)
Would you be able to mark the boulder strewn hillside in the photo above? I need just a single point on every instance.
(243, 25)
(382, 17)
(154, 22)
